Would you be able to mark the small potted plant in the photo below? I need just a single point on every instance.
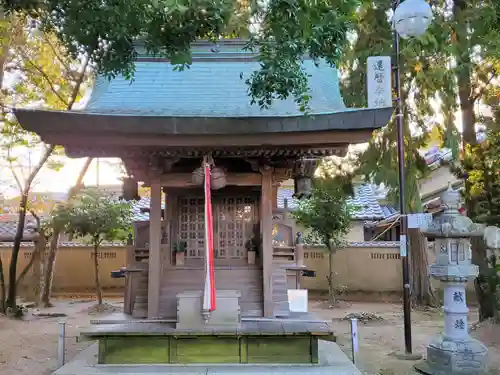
(251, 246)
(180, 251)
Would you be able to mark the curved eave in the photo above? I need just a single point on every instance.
(46, 122)
(439, 234)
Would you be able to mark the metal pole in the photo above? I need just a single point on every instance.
(61, 350)
(402, 205)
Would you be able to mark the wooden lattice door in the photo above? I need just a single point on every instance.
(192, 226)
(235, 219)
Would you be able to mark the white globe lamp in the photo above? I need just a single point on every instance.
(412, 18)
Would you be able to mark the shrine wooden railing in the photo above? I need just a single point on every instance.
(139, 254)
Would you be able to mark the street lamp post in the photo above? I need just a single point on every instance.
(411, 18)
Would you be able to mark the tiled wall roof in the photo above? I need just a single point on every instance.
(8, 227)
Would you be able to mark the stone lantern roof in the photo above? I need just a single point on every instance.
(451, 223)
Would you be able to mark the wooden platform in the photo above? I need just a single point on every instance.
(260, 342)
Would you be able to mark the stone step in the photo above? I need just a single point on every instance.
(332, 362)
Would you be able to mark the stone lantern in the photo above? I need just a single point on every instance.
(454, 351)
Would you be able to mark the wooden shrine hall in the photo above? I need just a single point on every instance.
(163, 125)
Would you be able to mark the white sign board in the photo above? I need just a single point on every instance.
(354, 335)
(298, 300)
(379, 82)
(403, 245)
(419, 220)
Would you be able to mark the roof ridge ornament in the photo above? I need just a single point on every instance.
(451, 223)
(215, 48)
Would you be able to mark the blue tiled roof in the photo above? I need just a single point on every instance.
(364, 199)
(139, 208)
(388, 210)
(367, 204)
(212, 87)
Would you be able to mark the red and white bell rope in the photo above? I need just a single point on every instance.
(209, 303)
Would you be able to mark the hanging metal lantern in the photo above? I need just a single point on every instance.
(302, 187)
(198, 176)
(218, 178)
(130, 190)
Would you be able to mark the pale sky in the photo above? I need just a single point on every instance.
(57, 181)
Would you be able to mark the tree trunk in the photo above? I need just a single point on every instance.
(16, 247)
(464, 73)
(331, 289)
(422, 292)
(33, 293)
(23, 204)
(98, 290)
(466, 101)
(485, 296)
(2, 288)
(5, 40)
(48, 270)
(50, 261)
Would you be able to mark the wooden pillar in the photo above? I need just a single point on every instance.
(170, 217)
(154, 251)
(275, 195)
(266, 212)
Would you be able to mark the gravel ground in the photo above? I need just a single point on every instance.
(382, 334)
(29, 347)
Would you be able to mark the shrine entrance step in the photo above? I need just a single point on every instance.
(254, 343)
(332, 361)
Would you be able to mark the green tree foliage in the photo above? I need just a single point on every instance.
(43, 75)
(431, 67)
(285, 32)
(94, 217)
(480, 167)
(476, 49)
(327, 214)
(449, 68)
(423, 72)
(420, 62)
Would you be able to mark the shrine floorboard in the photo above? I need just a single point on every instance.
(260, 342)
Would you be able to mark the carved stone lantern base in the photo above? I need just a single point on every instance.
(454, 357)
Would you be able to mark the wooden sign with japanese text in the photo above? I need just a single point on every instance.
(379, 82)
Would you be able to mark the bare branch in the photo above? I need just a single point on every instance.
(13, 171)
(481, 91)
(48, 80)
(28, 267)
(79, 82)
(83, 171)
(37, 218)
(58, 57)
(38, 166)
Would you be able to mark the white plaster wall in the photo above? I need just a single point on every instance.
(356, 233)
